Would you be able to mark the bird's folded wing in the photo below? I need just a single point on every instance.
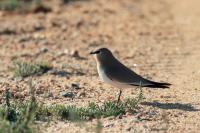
(124, 75)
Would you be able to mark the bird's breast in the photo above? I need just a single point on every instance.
(103, 75)
(107, 80)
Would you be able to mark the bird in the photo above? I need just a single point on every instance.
(113, 72)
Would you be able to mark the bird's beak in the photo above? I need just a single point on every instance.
(93, 52)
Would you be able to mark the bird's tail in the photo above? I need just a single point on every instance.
(158, 85)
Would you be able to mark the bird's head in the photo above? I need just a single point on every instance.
(102, 55)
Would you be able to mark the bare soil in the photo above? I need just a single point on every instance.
(157, 39)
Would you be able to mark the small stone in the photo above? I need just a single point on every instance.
(66, 51)
(111, 118)
(24, 38)
(50, 94)
(75, 86)
(43, 50)
(64, 27)
(38, 27)
(18, 79)
(119, 116)
(58, 73)
(39, 37)
(128, 129)
(67, 94)
(81, 94)
(41, 9)
(80, 23)
(56, 97)
(39, 91)
(38, 122)
(60, 53)
(109, 125)
(75, 54)
(7, 31)
(18, 95)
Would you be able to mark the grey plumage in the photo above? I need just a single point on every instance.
(119, 73)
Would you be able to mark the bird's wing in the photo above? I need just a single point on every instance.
(123, 75)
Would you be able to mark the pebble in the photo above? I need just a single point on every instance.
(128, 129)
(75, 54)
(67, 94)
(39, 91)
(66, 51)
(75, 86)
(38, 27)
(58, 73)
(80, 23)
(111, 118)
(18, 79)
(43, 50)
(38, 122)
(81, 94)
(18, 95)
(50, 94)
(25, 38)
(119, 116)
(108, 125)
(7, 30)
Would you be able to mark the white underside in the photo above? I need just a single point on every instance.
(105, 79)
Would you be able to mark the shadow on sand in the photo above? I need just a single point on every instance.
(180, 106)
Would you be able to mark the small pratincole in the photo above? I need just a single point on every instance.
(113, 72)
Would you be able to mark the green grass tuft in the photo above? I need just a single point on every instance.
(23, 5)
(18, 118)
(9, 4)
(24, 69)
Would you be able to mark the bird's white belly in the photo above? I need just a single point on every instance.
(105, 79)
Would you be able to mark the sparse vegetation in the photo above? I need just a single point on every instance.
(9, 4)
(19, 117)
(23, 5)
(24, 69)
(93, 110)
(28, 5)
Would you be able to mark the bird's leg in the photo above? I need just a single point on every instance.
(120, 92)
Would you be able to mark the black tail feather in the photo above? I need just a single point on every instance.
(159, 85)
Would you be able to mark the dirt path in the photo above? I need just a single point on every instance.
(158, 39)
(185, 14)
(173, 30)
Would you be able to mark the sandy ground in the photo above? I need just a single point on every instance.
(158, 39)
